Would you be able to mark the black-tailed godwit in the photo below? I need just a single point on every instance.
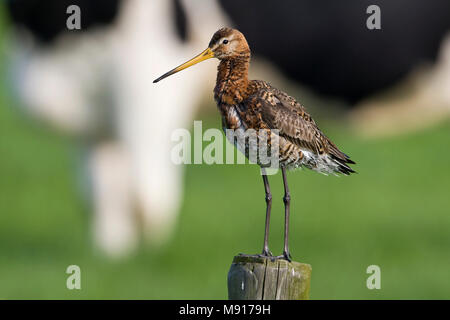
(255, 104)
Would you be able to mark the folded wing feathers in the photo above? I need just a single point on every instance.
(284, 113)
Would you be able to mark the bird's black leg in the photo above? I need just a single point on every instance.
(266, 251)
(287, 207)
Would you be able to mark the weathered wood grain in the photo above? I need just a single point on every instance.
(264, 278)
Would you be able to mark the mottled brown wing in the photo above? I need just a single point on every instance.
(282, 112)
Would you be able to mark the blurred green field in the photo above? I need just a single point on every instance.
(395, 213)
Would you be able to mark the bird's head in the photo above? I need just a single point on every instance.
(226, 43)
(229, 43)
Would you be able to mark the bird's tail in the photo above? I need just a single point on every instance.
(341, 160)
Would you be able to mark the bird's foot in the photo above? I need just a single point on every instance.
(266, 253)
(286, 256)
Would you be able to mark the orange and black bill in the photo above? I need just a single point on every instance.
(207, 54)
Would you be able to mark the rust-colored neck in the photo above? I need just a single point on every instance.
(232, 80)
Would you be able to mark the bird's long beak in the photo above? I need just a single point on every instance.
(207, 54)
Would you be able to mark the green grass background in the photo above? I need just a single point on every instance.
(394, 213)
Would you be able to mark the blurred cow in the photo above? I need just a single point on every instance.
(97, 85)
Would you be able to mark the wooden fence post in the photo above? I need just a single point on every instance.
(253, 277)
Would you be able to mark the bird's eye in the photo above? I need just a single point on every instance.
(225, 41)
